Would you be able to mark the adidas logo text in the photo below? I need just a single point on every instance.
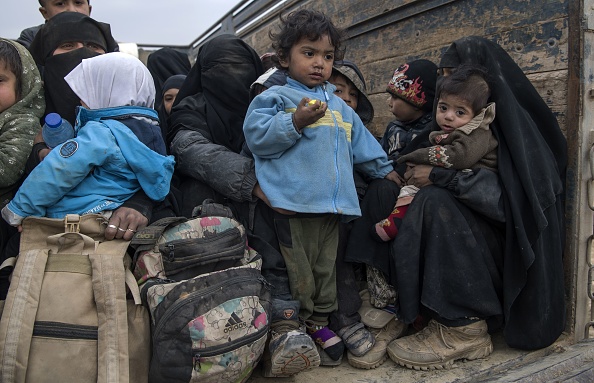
(234, 323)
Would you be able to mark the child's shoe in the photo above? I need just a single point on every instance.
(357, 339)
(289, 351)
(326, 360)
(327, 339)
(387, 229)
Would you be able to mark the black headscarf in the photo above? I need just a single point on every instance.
(532, 156)
(173, 82)
(215, 96)
(66, 27)
(163, 64)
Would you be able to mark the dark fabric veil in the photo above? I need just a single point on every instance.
(66, 27)
(163, 64)
(532, 163)
(173, 82)
(215, 95)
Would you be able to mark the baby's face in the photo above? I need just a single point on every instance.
(453, 112)
(8, 91)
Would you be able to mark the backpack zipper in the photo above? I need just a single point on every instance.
(64, 330)
(195, 295)
(180, 245)
(225, 348)
(337, 141)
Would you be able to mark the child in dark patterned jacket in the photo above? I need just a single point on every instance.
(464, 140)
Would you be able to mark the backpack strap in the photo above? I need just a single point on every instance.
(18, 318)
(109, 279)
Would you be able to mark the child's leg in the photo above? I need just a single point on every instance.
(295, 250)
(309, 247)
(324, 272)
(386, 229)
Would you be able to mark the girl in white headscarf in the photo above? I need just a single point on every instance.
(118, 148)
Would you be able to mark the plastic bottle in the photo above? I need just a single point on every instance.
(56, 130)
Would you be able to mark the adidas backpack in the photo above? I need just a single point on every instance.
(208, 302)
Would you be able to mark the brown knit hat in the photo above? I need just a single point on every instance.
(414, 82)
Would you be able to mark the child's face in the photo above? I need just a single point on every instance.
(453, 112)
(8, 89)
(345, 89)
(402, 110)
(53, 7)
(310, 62)
(169, 98)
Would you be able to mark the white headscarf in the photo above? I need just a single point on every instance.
(112, 79)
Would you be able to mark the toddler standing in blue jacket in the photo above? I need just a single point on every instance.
(305, 142)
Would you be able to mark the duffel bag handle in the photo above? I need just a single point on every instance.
(210, 208)
(76, 243)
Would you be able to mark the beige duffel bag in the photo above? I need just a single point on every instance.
(66, 317)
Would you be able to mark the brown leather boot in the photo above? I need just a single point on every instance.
(438, 346)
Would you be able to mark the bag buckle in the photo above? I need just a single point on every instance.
(72, 223)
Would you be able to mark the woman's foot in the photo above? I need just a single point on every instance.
(438, 346)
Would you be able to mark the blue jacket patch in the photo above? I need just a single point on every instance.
(68, 148)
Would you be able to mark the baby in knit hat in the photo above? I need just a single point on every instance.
(464, 140)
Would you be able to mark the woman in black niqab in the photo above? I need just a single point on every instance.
(62, 28)
(532, 156)
(215, 96)
(479, 244)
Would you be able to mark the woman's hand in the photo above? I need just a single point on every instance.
(124, 222)
(43, 153)
(417, 175)
(257, 192)
(395, 177)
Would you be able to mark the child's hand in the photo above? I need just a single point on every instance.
(395, 177)
(308, 111)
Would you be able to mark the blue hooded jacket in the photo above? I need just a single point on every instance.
(311, 172)
(104, 165)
